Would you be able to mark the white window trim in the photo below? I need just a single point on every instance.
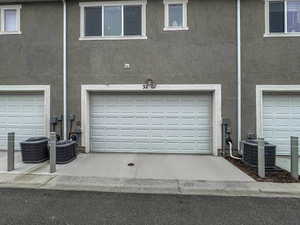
(18, 25)
(45, 89)
(215, 89)
(82, 5)
(267, 22)
(184, 15)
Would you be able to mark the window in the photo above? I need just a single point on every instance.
(175, 15)
(113, 20)
(282, 18)
(10, 19)
(293, 16)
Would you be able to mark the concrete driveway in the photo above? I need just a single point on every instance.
(150, 166)
(284, 162)
(20, 167)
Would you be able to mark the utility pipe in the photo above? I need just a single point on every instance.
(65, 117)
(238, 28)
(230, 151)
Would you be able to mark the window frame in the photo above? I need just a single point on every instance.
(18, 19)
(83, 5)
(267, 21)
(184, 26)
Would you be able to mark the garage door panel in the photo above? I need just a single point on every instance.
(144, 111)
(296, 118)
(107, 122)
(281, 119)
(21, 121)
(295, 101)
(268, 110)
(149, 133)
(268, 122)
(145, 138)
(150, 123)
(156, 147)
(22, 114)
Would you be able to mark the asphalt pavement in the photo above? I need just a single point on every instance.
(45, 207)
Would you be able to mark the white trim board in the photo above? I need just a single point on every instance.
(260, 90)
(285, 33)
(18, 19)
(215, 89)
(184, 26)
(45, 89)
(102, 4)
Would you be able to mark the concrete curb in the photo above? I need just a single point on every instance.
(149, 186)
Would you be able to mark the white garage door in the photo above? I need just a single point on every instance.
(281, 119)
(164, 123)
(22, 114)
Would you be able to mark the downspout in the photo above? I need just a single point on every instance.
(65, 117)
(230, 151)
(238, 15)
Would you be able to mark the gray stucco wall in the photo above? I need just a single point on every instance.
(264, 60)
(206, 54)
(35, 56)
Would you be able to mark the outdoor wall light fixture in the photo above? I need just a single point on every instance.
(149, 84)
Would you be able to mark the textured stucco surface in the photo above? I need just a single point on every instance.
(264, 60)
(35, 56)
(206, 54)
